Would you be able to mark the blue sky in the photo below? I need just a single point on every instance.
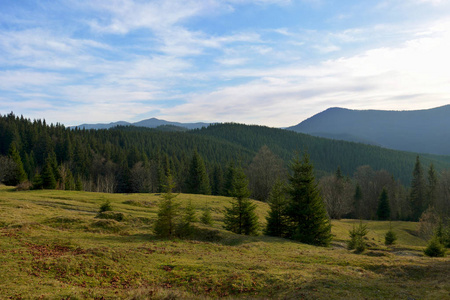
(267, 62)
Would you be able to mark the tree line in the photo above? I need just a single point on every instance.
(206, 161)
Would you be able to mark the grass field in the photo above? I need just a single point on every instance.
(52, 246)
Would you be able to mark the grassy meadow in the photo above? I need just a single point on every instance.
(54, 246)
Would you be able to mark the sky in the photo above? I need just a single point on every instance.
(265, 62)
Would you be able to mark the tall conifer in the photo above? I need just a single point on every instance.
(18, 173)
(418, 191)
(384, 209)
(309, 221)
(276, 219)
(241, 218)
(198, 180)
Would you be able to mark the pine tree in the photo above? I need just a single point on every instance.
(357, 201)
(384, 209)
(241, 218)
(390, 237)
(432, 184)
(198, 180)
(185, 228)
(276, 220)
(230, 175)
(306, 210)
(168, 212)
(48, 177)
(18, 174)
(217, 181)
(357, 235)
(79, 184)
(418, 191)
(206, 216)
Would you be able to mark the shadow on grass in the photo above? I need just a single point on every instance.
(201, 234)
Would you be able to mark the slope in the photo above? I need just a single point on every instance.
(53, 245)
(326, 154)
(420, 131)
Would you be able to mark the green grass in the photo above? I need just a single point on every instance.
(53, 246)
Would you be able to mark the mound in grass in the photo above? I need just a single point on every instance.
(106, 226)
(139, 203)
(63, 222)
(111, 215)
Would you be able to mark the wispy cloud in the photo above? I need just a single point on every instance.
(105, 61)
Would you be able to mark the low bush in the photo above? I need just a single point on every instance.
(434, 248)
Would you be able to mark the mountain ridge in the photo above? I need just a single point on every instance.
(421, 131)
(149, 123)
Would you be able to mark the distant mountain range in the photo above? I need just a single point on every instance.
(420, 131)
(149, 123)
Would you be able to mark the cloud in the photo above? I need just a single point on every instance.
(414, 75)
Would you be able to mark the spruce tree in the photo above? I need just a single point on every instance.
(198, 180)
(79, 184)
(418, 191)
(230, 175)
(168, 212)
(241, 218)
(432, 185)
(18, 174)
(276, 220)
(48, 177)
(217, 181)
(185, 228)
(357, 201)
(384, 209)
(206, 216)
(309, 221)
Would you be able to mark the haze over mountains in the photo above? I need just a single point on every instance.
(421, 131)
(149, 123)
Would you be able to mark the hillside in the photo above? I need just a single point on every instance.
(93, 155)
(326, 154)
(419, 131)
(53, 245)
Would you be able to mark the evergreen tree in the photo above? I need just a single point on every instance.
(206, 216)
(357, 235)
(69, 183)
(241, 218)
(217, 181)
(276, 220)
(18, 174)
(198, 180)
(79, 184)
(230, 175)
(390, 237)
(48, 177)
(37, 182)
(185, 228)
(357, 201)
(432, 184)
(418, 191)
(384, 209)
(309, 222)
(168, 212)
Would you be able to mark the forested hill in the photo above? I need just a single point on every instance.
(326, 154)
(422, 131)
(113, 159)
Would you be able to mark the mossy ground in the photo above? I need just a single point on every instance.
(52, 246)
